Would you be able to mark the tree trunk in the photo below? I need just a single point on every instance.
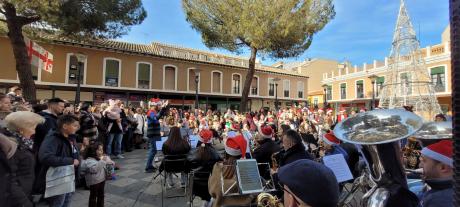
(454, 11)
(248, 81)
(23, 66)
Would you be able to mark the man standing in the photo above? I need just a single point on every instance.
(437, 164)
(55, 108)
(55, 151)
(156, 112)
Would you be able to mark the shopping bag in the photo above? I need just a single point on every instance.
(60, 180)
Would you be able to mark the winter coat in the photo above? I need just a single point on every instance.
(88, 126)
(94, 171)
(294, 153)
(56, 150)
(42, 130)
(215, 189)
(263, 153)
(140, 123)
(9, 184)
(440, 195)
(202, 171)
(153, 124)
(23, 167)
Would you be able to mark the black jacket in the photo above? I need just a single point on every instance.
(440, 194)
(153, 123)
(42, 129)
(56, 150)
(23, 167)
(294, 153)
(6, 179)
(263, 154)
(88, 126)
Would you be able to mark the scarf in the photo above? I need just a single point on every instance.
(22, 141)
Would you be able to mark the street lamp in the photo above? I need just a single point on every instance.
(197, 81)
(373, 79)
(276, 93)
(80, 61)
(325, 94)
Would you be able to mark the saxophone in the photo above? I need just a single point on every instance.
(268, 200)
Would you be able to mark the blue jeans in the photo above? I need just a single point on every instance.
(151, 152)
(60, 200)
(118, 138)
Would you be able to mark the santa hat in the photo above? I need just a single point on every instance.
(205, 136)
(362, 109)
(234, 126)
(320, 110)
(154, 102)
(236, 146)
(441, 151)
(266, 131)
(330, 139)
(329, 110)
(342, 109)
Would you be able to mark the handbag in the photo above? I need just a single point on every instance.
(60, 180)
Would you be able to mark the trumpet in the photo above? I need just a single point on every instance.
(268, 200)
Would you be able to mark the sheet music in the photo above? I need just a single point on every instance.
(193, 140)
(339, 166)
(248, 176)
(159, 144)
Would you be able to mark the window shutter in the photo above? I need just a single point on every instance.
(437, 70)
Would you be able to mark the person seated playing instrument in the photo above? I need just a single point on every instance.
(307, 183)
(437, 164)
(235, 148)
(266, 147)
(175, 145)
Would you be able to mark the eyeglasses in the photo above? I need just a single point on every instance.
(297, 202)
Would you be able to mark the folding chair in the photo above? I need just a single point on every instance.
(173, 164)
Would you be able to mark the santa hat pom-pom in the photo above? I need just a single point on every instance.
(203, 145)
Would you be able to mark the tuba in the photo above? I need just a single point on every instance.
(434, 131)
(377, 134)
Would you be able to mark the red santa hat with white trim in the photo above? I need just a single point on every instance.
(329, 111)
(154, 102)
(205, 136)
(236, 145)
(441, 151)
(330, 139)
(266, 131)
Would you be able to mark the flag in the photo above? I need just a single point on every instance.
(45, 58)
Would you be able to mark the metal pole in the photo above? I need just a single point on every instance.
(325, 98)
(196, 92)
(77, 94)
(373, 95)
(276, 97)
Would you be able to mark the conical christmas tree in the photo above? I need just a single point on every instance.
(408, 82)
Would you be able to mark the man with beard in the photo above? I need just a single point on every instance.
(437, 164)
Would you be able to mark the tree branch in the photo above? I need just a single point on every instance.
(27, 20)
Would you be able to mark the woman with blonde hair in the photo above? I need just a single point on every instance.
(19, 127)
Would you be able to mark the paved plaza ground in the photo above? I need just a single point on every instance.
(133, 187)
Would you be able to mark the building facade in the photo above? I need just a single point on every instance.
(136, 72)
(350, 87)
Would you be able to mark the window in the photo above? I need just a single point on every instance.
(438, 78)
(360, 89)
(271, 87)
(255, 86)
(300, 89)
(72, 67)
(406, 88)
(236, 83)
(192, 80)
(216, 82)
(315, 101)
(380, 82)
(343, 91)
(329, 92)
(143, 75)
(286, 87)
(169, 79)
(112, 72)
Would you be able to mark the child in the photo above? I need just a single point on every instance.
(110, 165)
(94, 169)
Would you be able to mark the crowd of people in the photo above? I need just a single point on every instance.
(39, 138)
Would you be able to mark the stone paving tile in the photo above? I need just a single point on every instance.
(127, 173)
(122, 182)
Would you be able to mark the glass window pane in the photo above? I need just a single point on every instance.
(170, 78)
(144, 72)
(216, 87)
(112, 68)
(191, 80)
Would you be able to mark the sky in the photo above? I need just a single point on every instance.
(361, 31)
